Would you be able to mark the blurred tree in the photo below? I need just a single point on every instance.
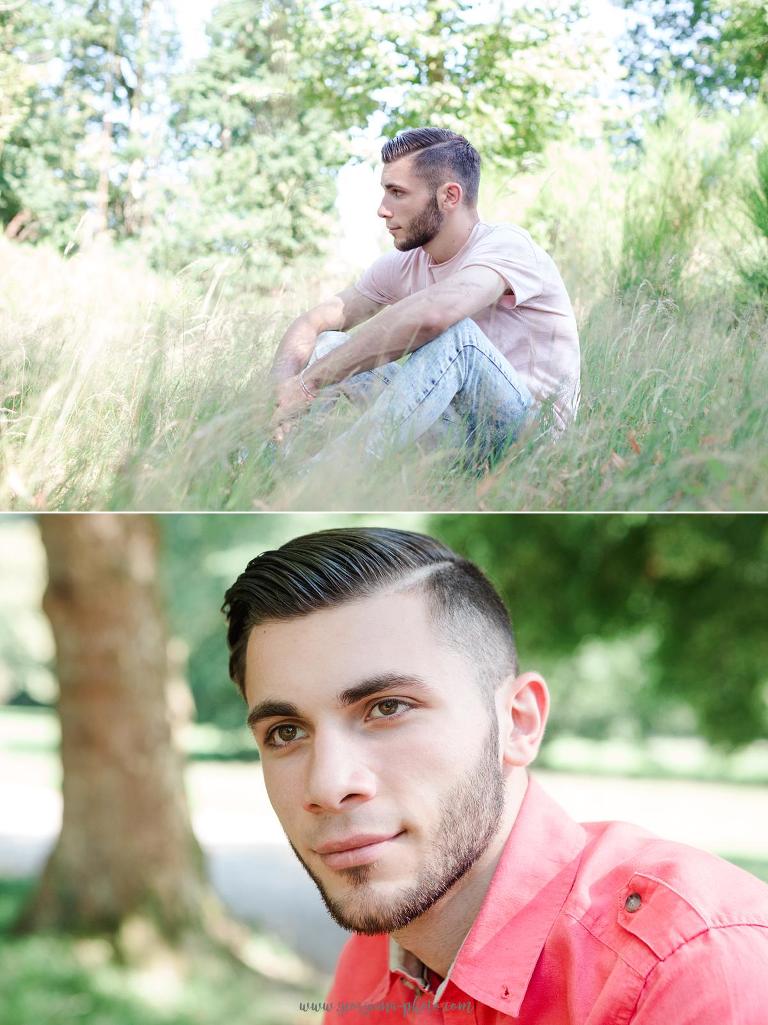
(257, 158)
(100, 78)
(509, 78)
(126, 848)
(720, 47)
(699, 583)
(20, 29)
(264, 121)
(678, 600)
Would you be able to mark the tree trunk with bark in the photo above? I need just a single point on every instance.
(126, 848)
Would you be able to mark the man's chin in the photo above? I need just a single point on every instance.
(368, 910)
(406, 244)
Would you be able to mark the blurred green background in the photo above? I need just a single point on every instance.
(650, 630)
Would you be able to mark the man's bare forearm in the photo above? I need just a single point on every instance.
(294, 349)
(298, 342)
(399, 329)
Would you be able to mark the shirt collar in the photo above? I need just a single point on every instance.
(529, 887)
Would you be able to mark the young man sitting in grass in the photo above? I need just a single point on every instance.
(480, 308)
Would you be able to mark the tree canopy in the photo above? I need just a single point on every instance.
(699, 583)
(718, 47)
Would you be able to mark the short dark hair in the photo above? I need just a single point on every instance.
(440, 156)
(332, 567)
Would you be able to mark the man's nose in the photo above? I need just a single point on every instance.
(336, 776)
(384, 210)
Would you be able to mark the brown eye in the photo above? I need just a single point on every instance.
(283, 735)
(388, 708)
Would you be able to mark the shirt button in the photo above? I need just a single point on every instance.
(633, 902)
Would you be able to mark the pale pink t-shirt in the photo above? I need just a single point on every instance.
(534, 327)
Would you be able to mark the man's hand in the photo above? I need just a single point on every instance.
(290, 400)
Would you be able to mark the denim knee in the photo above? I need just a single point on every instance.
(326, 342)
(463, 332)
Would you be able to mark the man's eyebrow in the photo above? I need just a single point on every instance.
(393, 185)
(378, 683)
(270, 708)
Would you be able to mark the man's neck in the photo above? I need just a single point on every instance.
(447, 243)
(435, 936)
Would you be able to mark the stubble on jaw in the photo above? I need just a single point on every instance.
(423, 227)
(470, 817)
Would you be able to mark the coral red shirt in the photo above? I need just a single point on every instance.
(592, 924)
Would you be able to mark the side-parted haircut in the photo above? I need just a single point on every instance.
(331, 567)
(439, 156)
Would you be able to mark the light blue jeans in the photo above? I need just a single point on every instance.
(457, 390)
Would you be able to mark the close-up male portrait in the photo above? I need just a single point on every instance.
(480, 309)
(395, 729)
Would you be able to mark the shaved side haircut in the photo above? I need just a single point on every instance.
(332, 567)
(439, 156)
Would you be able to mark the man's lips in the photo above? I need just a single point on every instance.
(355, 850)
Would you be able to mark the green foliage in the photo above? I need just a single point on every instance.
(96, 73)
(509, 81)
(20, 32)
(646, 623)
(754, 270)
(230, 166)
(258, 157)
(718, 47)
(683, 161)
(700, 584)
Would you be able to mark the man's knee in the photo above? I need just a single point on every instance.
(463, 332)
(463, 335)
(326, 342)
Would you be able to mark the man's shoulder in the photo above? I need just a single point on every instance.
(505, 234)
(510, 245)
(636, 892)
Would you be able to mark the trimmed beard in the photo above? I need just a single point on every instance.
(423, 227)
(470, 817)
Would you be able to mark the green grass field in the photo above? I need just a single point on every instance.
(49, 979)
(125, 390)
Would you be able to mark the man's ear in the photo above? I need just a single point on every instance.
(523, 706)
(450, 195)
